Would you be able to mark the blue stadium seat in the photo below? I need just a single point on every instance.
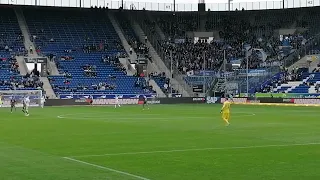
(66, 33)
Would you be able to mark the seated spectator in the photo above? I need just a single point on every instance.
(89, 70)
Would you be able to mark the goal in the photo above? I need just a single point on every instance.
(18, 95)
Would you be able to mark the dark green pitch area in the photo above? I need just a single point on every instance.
(166, 142)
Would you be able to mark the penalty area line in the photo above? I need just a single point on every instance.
(106, 168)
(199, 149)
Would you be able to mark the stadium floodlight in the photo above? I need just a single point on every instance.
(18, 95)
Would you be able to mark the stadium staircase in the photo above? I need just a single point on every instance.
(22, 65)
(48, 88)
(156, 87)
(25, 32)
(177, 82)
(125, 32)
(123, 39)
(154, 38)
(309, 61)
(157, 28)
(28, 43)
(127, 65)
(53, 68)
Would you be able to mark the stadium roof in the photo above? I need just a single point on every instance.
(167, 5)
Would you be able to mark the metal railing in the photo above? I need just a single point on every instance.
(213, 85)
(255, 81)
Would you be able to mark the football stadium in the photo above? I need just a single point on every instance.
(159, 90)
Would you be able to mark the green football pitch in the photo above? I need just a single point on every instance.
(166, 142)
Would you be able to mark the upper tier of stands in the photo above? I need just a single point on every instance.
(10, 33)
(86, 47)
(138, 46)
(176, 25)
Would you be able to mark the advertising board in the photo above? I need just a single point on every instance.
(212, 100)
(288, 95)
(183, 100)
(306, 101)
(177, 95)
(197, 88)
(113, 101)
(66, 102)
(103, 96)
(125, 101)
(236, 100)
(273, 100)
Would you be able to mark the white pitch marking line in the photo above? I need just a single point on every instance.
(200, 149)
(72, 116)
(106, 168)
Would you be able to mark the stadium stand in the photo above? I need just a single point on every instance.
(11, 42)
(176, 25)
(139, 47)
(142, 50)
(86, 48)
(163, 82)
(299, 80)
(238, 31)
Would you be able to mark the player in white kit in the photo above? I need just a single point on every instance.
(42, 101)
(0, 100)
(117, 102)
(26, 104)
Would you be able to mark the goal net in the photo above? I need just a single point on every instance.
(18, 95)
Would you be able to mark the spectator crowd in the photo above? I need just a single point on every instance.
(237, 36)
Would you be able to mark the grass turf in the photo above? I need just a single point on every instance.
(167, 142)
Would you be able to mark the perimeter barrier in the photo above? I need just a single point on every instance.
(186, 100)
(267, 101)
(131, 101)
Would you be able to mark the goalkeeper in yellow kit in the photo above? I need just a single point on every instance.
(225, 111)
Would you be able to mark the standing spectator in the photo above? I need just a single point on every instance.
(31, 49)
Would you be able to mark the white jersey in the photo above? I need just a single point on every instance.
(117, 99)
(26, 101)
(42, 100)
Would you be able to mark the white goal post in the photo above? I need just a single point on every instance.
(18, 95)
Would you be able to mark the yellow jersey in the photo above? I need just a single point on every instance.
(226, 106)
